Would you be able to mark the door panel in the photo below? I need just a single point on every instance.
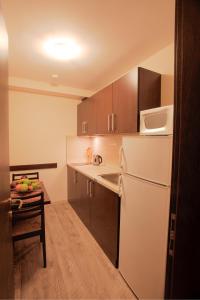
(149, 89)
(78, 195)
(125, 99)
(105, 220)
(103, 107)
(6, 255)
(80, 118)
(74, 189)
(184, 255)
(84, 207)
(86, 117)
(148, 157)
(143, 236)
(90, 125)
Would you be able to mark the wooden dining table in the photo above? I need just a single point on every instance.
(15, 195)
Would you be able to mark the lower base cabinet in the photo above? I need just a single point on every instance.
(78, 195)
(99, 210)
(105, 213)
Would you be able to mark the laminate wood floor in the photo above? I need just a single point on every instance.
(76, 266)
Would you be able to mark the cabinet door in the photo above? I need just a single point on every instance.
(73, 188)
(90, 122)
(105, 206)
(78, 195)
(125, 99)
(103, 110)
(149, 89)
(80, 118)
(85, 117)
(84, 204)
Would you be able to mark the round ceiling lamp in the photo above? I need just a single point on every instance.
(61, 48)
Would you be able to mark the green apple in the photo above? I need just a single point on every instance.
(35, 185)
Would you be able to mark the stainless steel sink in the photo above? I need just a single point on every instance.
(113, 178)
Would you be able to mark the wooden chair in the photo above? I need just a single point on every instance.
(33, 175)
(29, 220)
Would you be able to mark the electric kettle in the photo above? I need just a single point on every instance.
(97, 160)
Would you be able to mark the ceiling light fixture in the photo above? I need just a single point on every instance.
(54, 76)
(61, 48)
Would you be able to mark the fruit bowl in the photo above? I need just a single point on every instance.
(26, 185)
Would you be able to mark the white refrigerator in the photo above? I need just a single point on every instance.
(145, 190)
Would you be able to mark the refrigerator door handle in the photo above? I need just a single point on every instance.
(121, 158)
(120, 185)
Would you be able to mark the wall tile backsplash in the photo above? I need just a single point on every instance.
(106, 146)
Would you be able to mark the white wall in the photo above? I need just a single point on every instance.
(163, 62)
(38, 128)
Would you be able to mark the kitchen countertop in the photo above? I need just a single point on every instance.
(94, 172)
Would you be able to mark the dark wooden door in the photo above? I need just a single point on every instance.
(6, 255)
(183, 279)
(125, 103)
(103, 108)
(105, 214)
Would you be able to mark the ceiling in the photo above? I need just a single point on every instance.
(113, 34)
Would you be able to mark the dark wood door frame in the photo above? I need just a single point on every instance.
(183, 266)
(6, 255)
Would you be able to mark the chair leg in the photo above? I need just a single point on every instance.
(44, 251)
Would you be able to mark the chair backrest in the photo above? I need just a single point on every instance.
(33, 206)
(33, 175)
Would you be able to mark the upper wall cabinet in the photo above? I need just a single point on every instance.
(125, 103)
(138, 90)
(116, 108)
(103, 110)
(149, 89)
(86, 117)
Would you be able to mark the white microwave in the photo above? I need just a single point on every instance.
(157, 121)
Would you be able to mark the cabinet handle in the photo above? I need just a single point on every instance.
(88, 186)
(86, 127)
(91, 183)
(113, 122)
(82, 127)
(108, 123)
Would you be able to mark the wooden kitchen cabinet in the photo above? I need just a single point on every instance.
(116, 108)
(103, 110)
(105, 212)
(138, 90)
(84, 204)
(74, 188)
(99, 210)
(125, 103)
(86, 117)
(78, 194)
